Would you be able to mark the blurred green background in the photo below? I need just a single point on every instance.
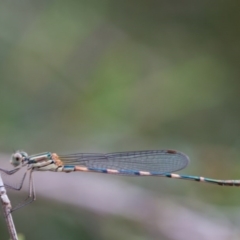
(103, 76)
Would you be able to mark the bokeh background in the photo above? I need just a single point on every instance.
(104, 76)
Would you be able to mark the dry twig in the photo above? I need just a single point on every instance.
(6, 205)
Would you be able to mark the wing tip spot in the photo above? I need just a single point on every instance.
(171, 151)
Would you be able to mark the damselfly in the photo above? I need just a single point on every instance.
(135, 163)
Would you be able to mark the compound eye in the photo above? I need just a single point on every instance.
(16, 159)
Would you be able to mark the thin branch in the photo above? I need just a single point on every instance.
(6, 205)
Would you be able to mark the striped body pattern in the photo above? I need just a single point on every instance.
(161, 163)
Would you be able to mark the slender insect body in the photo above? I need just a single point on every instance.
(161, 163)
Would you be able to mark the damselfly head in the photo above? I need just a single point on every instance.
(18, 158)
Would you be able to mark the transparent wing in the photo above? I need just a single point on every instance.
(157, 161)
